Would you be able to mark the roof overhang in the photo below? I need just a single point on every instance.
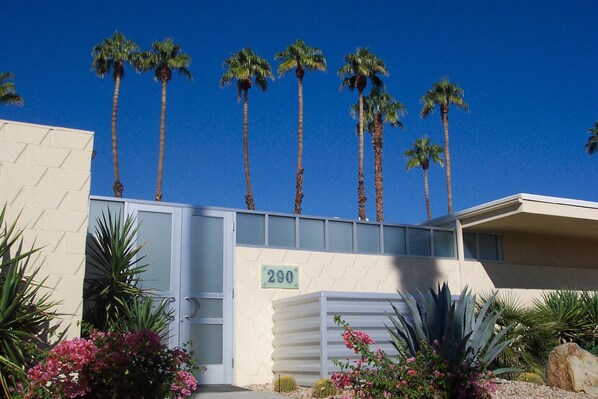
(528, 213)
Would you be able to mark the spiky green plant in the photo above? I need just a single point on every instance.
(284, 383)
(323, 388)
(571, 316)
(113, 277)
(460, 335)
(25, 313)
(144, 313)
(530, 341)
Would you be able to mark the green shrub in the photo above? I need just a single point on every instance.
(323, 388)
(25, 314)
(571, 316)
(284, 383)
(144, 313)
(530, 341)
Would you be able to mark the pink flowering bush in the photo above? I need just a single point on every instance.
(114, 366)
(424, 376)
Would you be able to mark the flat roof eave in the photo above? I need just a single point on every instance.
(529, 213)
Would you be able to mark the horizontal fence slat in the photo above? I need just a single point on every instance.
(298, 323)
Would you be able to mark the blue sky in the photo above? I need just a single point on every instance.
(528, 69)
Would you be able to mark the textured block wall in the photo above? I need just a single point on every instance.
(45, 176)
(324, 271)
(318, 271)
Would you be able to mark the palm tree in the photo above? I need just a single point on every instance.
(163, 58)
(592, 144)
(420, 155)
(8, 93)
(443, 94)
(359, 67)
(246, 67)
(379, 107)
(111, 55)
(300, 57)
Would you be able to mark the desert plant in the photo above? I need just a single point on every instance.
(284, 383)
(461, 336)
(114, 275)
(144, 313)
(571, 316)
(323, 388)
(530, 341)
(25, 313)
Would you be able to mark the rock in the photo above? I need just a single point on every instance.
(572, 369)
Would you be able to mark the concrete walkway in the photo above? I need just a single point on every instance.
(232, 392)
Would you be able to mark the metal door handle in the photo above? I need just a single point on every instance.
(195, 308)
(166, 300)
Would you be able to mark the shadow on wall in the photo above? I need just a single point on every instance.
(417, 274)
(540, 277)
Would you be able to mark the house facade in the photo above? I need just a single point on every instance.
(221, 270)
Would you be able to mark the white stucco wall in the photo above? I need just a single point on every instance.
(45, 176)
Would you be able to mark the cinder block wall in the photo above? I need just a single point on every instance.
(45, 176)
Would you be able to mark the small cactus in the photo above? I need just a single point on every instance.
(531, 377)
(284, 383)
(323, 388)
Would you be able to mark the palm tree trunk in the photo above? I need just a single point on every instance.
(117, 186)
(449, 191)
(162, 140)
(427, 194)
(249, 196)
(299, 178)
(377, 143)
(361, 198)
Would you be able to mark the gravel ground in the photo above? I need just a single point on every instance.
(504, 390)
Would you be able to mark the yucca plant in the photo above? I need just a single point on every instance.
(25, 313)
(461, 336)
(113, 277)
(144, 313)
(571, 316)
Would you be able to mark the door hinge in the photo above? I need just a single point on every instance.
(233, 293)
(233, 226)
(233, 362)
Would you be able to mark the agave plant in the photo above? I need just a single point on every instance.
(460, 335)
(144, 313)
(25, 313)
(114, 270)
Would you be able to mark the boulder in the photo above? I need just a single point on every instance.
(572, 369)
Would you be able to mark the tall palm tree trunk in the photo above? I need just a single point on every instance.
(117, 186)
(447, 157)
(249, 196)
(427, 193)
(361, 198)
(299, 178)
(377, 144)
(162, 140)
